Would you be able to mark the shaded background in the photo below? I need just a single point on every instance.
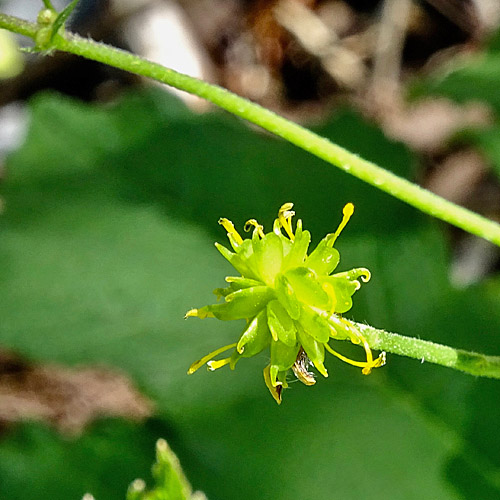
(111, 191)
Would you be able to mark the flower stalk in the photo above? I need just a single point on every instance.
(469, 362)
(296, 342)
(321, 147)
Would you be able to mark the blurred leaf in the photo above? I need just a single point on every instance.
(170, 482)
(486, 140)
(37, 461)
(471, 77)
(107, 240)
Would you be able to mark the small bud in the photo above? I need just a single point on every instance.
(46, 17)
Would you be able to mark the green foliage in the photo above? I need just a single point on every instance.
(473, 78)
(110, 214)
(35, 460)
(170, 482)
(487, 141)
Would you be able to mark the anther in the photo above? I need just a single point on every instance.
(347, 213)
(229, 227)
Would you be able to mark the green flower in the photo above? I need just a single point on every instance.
(291, 301)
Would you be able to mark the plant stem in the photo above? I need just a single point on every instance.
(322, 148)
(468, 362)
(319, 146)
(17, 25)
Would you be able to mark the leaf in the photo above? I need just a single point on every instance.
(103, 462)
(107, 240)
(169, 478)
(487, 140)
(472, 77)
(62, 18)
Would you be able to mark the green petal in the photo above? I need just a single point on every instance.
(268, 256)
(286, 295)
(238, 282)
(315, 323)
(298, 252)
(325, 258)
(245, 303)
(314, 350)
(342, 330)
(282, 356)
(256, 336)
(223, 292)
(236, 261)
(281, 325)
(344, 290)
(275, 389)
(307, 288)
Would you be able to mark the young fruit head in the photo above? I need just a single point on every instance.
(291, 301)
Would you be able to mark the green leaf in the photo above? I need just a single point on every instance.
(62, 18)
(107, 240)
(486, 140)
(167, 472)
(472, 77)
(103, 461)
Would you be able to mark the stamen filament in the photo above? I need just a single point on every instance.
(253, 223)
(229, 227)
(360, 364)
(347, 212)
(214, 365)
(285, 215)
(198, 364)
(353, 274)
(358, 338)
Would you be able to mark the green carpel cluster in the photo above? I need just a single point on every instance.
(291, 301)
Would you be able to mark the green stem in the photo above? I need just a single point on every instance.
(17, 25)
(319, 146)
(469, 362)
(465, 361)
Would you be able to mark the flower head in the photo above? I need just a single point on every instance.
(291, 301)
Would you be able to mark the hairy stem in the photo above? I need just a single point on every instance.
(319, 146)
(469, 362)
(465, 361)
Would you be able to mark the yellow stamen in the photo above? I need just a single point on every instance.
(199, 313)
(198, 364)
(347, 212)
(330, 290)
(285, 215)
(367, 365)
(274, 390)
(253, 223)
(380, 361)
(214, 365)
(229, 227)
(360, 364)
(370, 363)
